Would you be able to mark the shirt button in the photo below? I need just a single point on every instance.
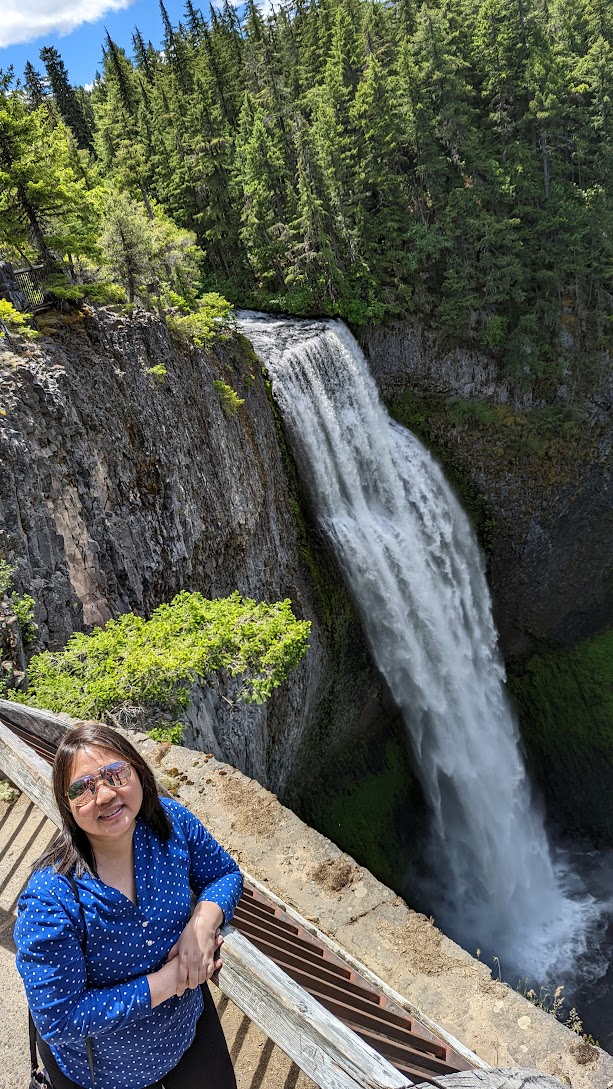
(150, 942)
(146, 922)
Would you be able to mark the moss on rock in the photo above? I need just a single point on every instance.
(565, 703)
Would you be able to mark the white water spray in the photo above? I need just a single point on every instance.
(412, 562)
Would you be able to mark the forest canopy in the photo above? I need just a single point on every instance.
(450, 160)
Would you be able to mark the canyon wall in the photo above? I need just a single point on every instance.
(545, 480)
(122, 484)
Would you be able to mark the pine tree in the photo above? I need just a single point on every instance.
(34, 85)
(125, 242)
(44, 205)
(261, 176)
(195, 22)
(382, 199)
(143, 55)
(311, 260)
(66, 98)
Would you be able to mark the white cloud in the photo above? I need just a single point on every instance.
(22, 22)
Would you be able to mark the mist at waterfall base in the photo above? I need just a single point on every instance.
(412, 562)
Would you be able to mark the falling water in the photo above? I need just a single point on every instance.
(411, 559)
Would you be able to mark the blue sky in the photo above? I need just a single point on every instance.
(81, 47)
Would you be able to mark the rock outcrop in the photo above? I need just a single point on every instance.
(124, 480)
(549, 497)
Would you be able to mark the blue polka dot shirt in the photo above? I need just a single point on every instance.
(102, 992)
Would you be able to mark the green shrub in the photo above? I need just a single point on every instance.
(15, 321)
(154, 662)
(6, 576)
(158, 372)
(105, 291)
(204, 324)
(229, 398)
(59, 290)
(466, 411)
(22, 605)
(171, 732)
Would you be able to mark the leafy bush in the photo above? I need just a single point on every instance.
(171, 732)
(59, 290)
(158, 371)
(6, 576)
(229, 398)
(204, 324)
(466, 411)
(22, 605)
(105, 291)
(15, 321)
(154, 662)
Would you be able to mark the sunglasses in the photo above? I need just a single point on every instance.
(83, 790)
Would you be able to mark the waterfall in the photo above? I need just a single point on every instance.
(414, 567)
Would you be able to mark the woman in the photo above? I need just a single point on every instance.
(108, 946)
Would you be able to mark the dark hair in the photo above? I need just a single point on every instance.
(71, 849)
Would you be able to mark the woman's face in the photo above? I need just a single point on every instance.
(110, 813)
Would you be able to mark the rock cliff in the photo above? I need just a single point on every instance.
(122, 484)
(542, 474)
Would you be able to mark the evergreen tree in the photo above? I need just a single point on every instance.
(44, 205)
(380, 186)
(66, 98)
(125, 243)
(261, 175)
(34, 85)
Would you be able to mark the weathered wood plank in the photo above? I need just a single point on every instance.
(28, 771)
(41, 723)
(331, 1054)
(496, 1079)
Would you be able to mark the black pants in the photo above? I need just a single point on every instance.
(205, 1065)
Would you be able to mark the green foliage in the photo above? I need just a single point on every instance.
(158, 372)
(22, 605)
(565, 704)
(59, 290)
(465, 411)
(144, 250)
(359, 813)
(154, 662)
(171, 732)
(6, 577)
(104, 291)
(570, 692)
(46, 196)
(229, 398)
(205, 323)
(15, 321)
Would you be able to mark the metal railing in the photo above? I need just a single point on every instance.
(30, 282)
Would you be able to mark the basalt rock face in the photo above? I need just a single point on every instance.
(121, 486)
(550, 507)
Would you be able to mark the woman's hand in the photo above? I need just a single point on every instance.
(196, 951)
